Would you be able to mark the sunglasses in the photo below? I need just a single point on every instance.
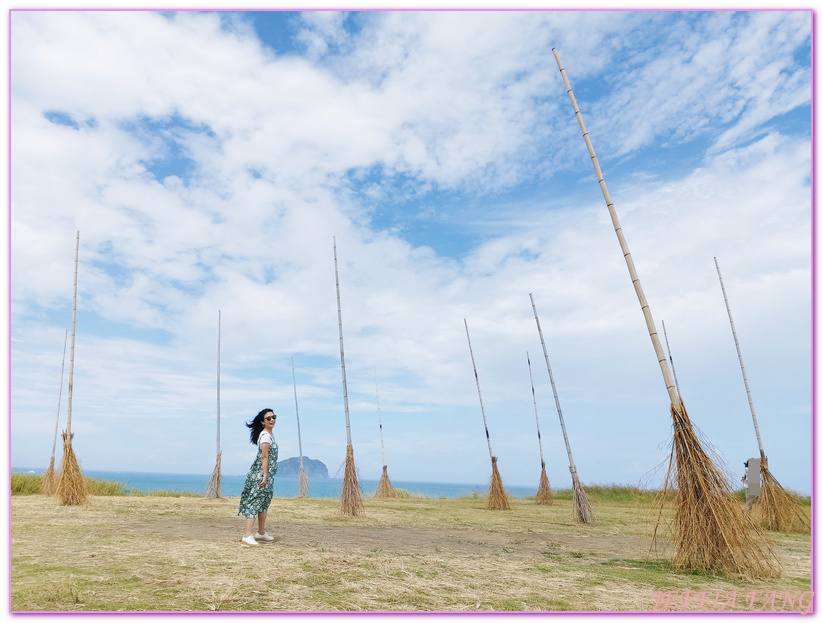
(270, 418)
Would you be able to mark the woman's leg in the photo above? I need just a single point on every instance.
(261, 522)
(249, 526)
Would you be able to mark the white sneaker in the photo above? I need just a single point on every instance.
(263, 537)
(248, 540)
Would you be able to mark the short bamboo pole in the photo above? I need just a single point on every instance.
(384, 489)
(302, 480)
(544, 490)
(213, 488)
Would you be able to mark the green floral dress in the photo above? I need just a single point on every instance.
(254, 499)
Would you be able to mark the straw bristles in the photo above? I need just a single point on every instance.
(711, 531)
(385, 489)
(583, 512)
(351, 499)
(71, 486)
(497, 498)
(544, 490)
(48, 485)
(304, 485)
(213, 489)
(775, 508)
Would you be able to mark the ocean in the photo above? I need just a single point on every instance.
(231, 486)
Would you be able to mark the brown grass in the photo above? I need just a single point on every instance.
(49, 482)
(72, 488)
(775, 508)
(213, 488)
(385, 489)
(711, 531)
(351, 498)
(545, 496)
(497, 499)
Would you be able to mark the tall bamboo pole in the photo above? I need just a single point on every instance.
(71, 486)
(497, 498)
(213, 488)
(303, 481)
(47, 487)
(351, 502)
(583, 512)
(544, 491)
(671, 361)
(711, 530)
(384, 489)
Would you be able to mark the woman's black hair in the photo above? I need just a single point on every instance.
(256, 425)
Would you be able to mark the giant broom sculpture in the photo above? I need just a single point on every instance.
(47, 487)
(774, 508)
(710, 529)
(497, 498)
(213, 488)
(544, 490)
(351, 499)
(303, 481)
(384, 489)
(71, 486)
(583, 512)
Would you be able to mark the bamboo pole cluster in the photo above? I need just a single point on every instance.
(303, 482)
(213, 488)
(49, 483)
(544, 491)
(384, 489)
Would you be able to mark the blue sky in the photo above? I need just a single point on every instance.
(209, 159)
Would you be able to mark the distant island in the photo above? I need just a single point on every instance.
(290, 468)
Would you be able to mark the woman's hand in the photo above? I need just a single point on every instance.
(263, 482)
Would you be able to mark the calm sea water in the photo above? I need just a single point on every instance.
(231, 486)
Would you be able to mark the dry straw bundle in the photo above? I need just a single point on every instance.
(544, 491)
(711, 530)
(351, 500)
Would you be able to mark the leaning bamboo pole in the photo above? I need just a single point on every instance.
(213, 489)
(304, 483)
(583, 512)
(710, 531)
(351, 499)
(384, 489)
(544, 490)
(497, 498)
(71, 486)
(48, 485)
(775, 508)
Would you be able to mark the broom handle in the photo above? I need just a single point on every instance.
(740, 357)
(379, 418)
(647, 314)
(59, 395)
(297, 412)
(218, 381)
(572, 468)
(342, 358)
(73, 321)
(534, 399)
(479, 395)
(671, 361)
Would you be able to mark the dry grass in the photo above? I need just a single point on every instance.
(497, 499)
(213, 488)
(544, 491)
(72, 488)
(351, 498)
(775, 508)
(385, 489)
(416, 554)
(711, 530)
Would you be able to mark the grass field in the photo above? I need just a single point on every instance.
(155, 553)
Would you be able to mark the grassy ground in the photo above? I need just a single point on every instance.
(183, 554)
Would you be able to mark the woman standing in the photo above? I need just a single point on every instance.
(257, 492)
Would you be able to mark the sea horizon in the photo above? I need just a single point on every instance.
(232, 484)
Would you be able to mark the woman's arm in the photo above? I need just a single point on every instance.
(264, 448)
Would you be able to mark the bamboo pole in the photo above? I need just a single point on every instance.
(304, 483)
(497, 498)
(711, 532)
(544, 491)
(213, 488)
(671, 361)
(351, 502)
(71, 486)
(384, 489)
(583, 512)
(48, 478)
